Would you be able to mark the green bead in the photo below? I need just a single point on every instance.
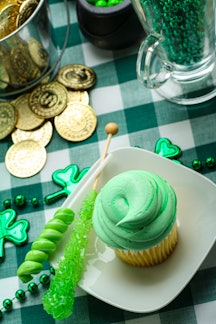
(35, 202)
(197, 165)
(7, 203)
(52, 271)
(44, 279)
(33, 288)
(20, 200)
(7, 304)
(210, 162)
(20, 294)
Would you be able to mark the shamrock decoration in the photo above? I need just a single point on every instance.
(11, 230)
(165, 148)
(67, 178)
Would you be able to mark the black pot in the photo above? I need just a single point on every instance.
(112, 28)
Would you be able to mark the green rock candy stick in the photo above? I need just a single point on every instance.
(58, 300)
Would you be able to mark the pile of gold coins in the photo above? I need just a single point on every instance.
(29, 119)
(13, 13)
(21, 61)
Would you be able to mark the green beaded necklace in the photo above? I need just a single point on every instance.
(21, 294)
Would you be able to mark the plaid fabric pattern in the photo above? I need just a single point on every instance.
(143, 117)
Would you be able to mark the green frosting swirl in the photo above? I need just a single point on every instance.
(135, 210)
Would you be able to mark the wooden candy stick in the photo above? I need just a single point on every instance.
(111, 129)
(58, 300)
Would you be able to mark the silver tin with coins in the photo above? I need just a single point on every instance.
(29, 53)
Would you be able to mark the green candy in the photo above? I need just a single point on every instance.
(38, 256)
(28, 267)
(165, 148)
(65, 214)
(57, 224)
(51, 234)
(45, 244)
(101, 3)
(59, 298)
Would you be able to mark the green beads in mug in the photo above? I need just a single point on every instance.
(182, 26)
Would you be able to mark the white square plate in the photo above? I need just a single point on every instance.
(144, 290)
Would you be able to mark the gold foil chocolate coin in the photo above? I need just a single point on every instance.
(25, 159)
(4, 77)
(38, 54)
(8, 119)
(8, 16)
(78, 96)
(42, 135)
(48, 100)
(77, 122)
(26, 10)
(76, 76)
(27, 120)
(22, 64)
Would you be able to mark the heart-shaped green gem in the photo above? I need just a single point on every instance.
(165, 148)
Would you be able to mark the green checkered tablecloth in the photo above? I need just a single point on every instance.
(143, 117)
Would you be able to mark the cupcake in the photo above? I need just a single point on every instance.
(135, 214)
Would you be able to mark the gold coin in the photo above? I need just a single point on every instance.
(77, 122)
(8, 17)
(38, 54)
(8, 119)
(42, 135)
(78, 96)
(27, 120)
(48, 100)
(22, 64)
(4, 76)
(16, 40)
(26, 10)
(76, 76)
(25, 159)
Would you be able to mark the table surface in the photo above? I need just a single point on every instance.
(143, 117)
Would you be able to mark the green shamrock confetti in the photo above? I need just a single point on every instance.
(11, 230)
(68, 179)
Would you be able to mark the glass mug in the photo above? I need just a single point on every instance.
(30, 54)
(177, 58)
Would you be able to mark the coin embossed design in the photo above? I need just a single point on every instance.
(76, 76)
(42, 135)
(48, 100)
(77, 122)
(27, 119)
(8, 119)
(78, 96)
(25, 159)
